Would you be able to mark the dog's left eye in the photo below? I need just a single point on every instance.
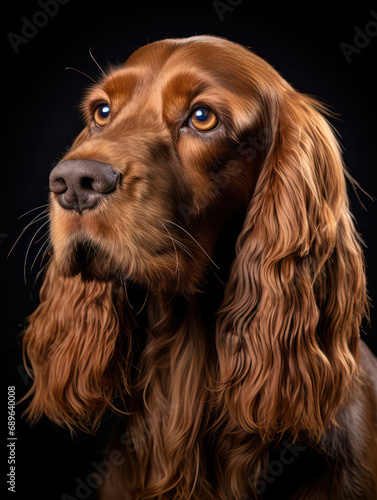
(102, 114)
(203, 119)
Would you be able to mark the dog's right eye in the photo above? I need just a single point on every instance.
(203, 119)
(102, 115)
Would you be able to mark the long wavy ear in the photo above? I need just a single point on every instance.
(287, 332)
(78, 355)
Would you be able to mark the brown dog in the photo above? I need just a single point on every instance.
(192, 149)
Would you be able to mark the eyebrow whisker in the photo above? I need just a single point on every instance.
(91, 55)
(78, 71)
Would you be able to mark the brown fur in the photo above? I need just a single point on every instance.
(210, 388)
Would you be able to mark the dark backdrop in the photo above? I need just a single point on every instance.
(40, 118)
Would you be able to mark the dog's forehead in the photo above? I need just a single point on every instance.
(157, 54)
(183, 61)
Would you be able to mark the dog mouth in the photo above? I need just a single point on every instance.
(82, 257)
(94, 262)
(90, 260)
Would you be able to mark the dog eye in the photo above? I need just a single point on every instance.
(102, 115)
(203, 119)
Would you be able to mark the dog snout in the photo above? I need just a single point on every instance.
(80, 184)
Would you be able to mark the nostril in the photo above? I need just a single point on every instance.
(86, 183)
(102, 183)
(106, 182)
(57, 185)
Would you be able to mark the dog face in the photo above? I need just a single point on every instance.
(168, 128)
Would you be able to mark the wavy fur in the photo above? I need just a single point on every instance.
(210, 380)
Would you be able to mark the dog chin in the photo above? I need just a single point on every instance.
(89, 260)
(93, 263)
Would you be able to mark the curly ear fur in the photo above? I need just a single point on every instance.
(77, 358)
(287, 331)
(203, 420)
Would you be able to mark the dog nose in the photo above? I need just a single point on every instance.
(80, 184)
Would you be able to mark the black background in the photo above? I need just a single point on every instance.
(40, 118)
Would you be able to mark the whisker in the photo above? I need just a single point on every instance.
(145, 301)
(219, 279)
(123, 282)
(91, 55)
(28, 248)
(188, 234)
(185, 249)
(43, 269)
(39, 251)
(36, 208)
(78, 71)
(34, 221)
(175, 249)
(177, 265)
(46, 251)
(41, 238)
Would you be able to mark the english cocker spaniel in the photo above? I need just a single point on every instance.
(207, 284)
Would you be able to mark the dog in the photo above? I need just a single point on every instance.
(207, 284)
